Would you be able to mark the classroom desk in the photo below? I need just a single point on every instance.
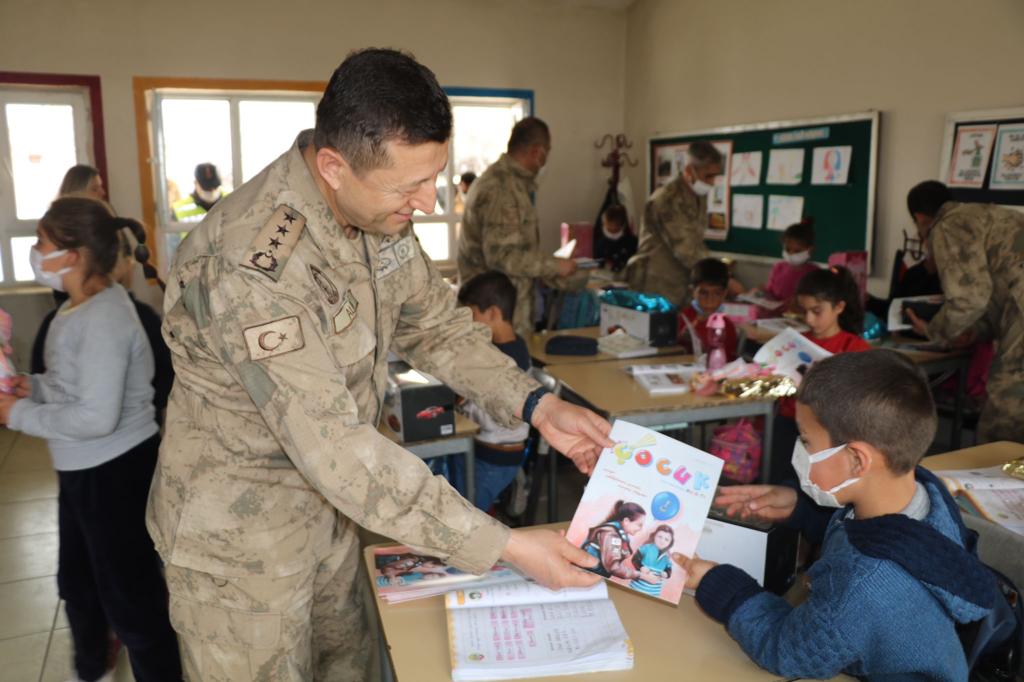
(670, 643)
(608, 389)
(980, 456)
(540, 358)
(460, 442)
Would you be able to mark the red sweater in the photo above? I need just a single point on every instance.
(700, 325)
(843, 342)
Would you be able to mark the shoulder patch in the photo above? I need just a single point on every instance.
(394, 255)
(276, 337)
(269, 252)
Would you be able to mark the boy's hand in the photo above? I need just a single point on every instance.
(548, 558)
(695, 568)
(919, 325)
(574, 431)
(767, 502)
(22, 385)
(566, 267)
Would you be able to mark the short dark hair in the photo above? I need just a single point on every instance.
(379, 95)
(87, 224)
(468, 177)
(835, 284)
(616, 213)
(77, 179)
(802, 232)
(885, 401)
(528, 132)
(703, 154)
(711, 271)
(488, 289)
(927, 197)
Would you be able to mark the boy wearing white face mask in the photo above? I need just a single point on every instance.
(797, 248)
(898, 569)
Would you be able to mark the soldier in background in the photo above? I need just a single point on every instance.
(979, 253)
(500, 230)
(281, 309)
(672, 230)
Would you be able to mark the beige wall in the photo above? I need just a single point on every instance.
(693, 64)
(571, 56)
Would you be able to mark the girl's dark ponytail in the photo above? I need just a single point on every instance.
(141, 251)
(835, 284)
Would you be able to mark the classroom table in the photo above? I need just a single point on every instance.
(540, 358)
(979, 456)
(460, 442)
(670, 643)
(609, 389)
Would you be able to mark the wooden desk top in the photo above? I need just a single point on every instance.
(464, 426)
(762, 335)
(536, 344)
(670, 643)
(608, 387)
(987, 455)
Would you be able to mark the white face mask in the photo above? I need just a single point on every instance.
(700, 188)
(613, 237)
(802, 462)
(798, 258)
(54, 279)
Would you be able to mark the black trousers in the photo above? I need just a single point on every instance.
(108, 572)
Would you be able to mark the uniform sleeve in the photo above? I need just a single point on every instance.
(684, 233)
(504, 245)
(441, 339)
(966, 280)
(303, 398)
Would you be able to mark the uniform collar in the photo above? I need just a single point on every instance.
(943, 210)
(517, 170)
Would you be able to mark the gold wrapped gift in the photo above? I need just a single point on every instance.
(759, 387)
(1015, 468)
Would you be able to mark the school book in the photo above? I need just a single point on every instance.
(668, 383)
(924, 307)
(622, 345)
(519, 629)
(781, 324)
(401, 574)
(990, 493)
(647, 499)
(790, 354)
(760, 299)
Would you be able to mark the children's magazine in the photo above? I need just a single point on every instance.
(790, 354)
(647, 499)
(400, 574)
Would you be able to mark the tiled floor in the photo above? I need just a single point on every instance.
(35, 643)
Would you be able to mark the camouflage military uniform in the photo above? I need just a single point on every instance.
(979, 251)
(280, 328)
(671, 242)
(500, 232)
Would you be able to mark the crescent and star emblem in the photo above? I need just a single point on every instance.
(267, 343)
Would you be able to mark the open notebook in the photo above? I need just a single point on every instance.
(990, 493)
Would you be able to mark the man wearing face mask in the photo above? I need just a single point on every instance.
(192, 208)
(978, 251)
(281, 309)
(500, 229)
(672, 230)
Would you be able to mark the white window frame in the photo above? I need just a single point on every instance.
(11, 227)
(167, 226)
(477, 98)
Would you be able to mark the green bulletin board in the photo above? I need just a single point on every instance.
(843, 213)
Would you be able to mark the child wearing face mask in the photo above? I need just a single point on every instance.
(710, 286)
(898, 569)
(94, 407)
(614, 244)
(797, 248)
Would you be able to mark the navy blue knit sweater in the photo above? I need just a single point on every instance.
(885, 596)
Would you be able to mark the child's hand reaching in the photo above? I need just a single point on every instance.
(695, 568)
(767, 502)
(22, 386)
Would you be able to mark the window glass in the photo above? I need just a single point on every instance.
(42, 143)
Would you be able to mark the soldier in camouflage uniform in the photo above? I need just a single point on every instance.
(500, 230)
(979, 252)
(280, 313)
(671, 237)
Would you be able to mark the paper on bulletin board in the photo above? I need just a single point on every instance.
(783, 211)
(748, 211)
(971, 152)
(718, 197)
(785, 167)
(665, 164)
(746, 170)
(831, 165)
(1008, 161)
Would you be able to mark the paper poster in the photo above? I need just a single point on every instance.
(785, 167)
(1008, 161)
(648, 498)
(831, 165)
(748, 211)
(783, 211)
(664, 164)
(718, 197)
(746, 169)
(971, 153)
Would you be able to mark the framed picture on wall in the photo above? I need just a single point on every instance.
(971, 152)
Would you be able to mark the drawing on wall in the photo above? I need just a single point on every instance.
(718, 197)
(1008, 160)
(746, 169)
(785, 167)
(748, 210)
(831, 165)
(784, 211)
(971, 152)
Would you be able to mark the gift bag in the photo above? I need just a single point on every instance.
(739, 445)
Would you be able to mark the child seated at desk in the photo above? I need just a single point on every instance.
(898, 570)
(614, 244)
(797, 248)
(710, 282)
(491, 297)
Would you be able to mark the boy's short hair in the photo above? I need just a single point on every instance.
(876, 396)
(711, 271)
(802, 232)
(616, 213)
(488, 289)
(927, 197)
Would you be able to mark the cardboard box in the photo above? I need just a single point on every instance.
(417, 406)
(657, 329)
(766, 552)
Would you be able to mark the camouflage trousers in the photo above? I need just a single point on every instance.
(318, 624)
(1002, 418)
(674, 285)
